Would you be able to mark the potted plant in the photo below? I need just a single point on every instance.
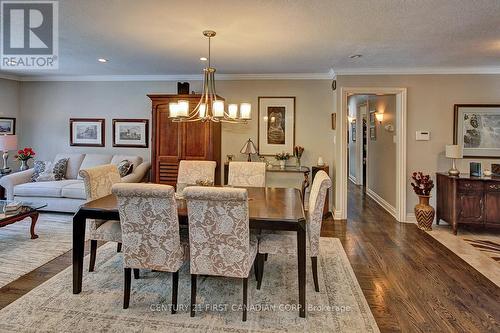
(24, 155)
(282, 158)
(297, 152)
(422, 185)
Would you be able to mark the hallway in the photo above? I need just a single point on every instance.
(411, 282)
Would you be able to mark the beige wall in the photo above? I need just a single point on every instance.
(47, 106)
(9, 107)
(430, 107)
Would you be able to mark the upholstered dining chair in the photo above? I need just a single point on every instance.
(286, 242)
(98, 182)
(150, 232)
(191, 171)
(247, 174)
(219, 236)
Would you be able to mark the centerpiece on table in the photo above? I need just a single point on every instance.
(422, 185)
(282, 158)
(24, 155)
(297, 152)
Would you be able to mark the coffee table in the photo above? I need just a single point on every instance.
(27, 209)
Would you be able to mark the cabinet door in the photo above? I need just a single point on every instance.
(167, 148)
(196, 141)
(471, 207)
(492, 201)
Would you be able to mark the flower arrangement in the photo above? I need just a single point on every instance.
(282, 156)
(298, 151)
(422, 184)
(25, 154)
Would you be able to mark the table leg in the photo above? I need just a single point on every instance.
(305, 185)
(301, 255)
(78, 249)
(34, 218)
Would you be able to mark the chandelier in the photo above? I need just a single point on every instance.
(209, 108)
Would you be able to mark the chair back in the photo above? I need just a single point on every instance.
(192, 171)
(150, 226)
(247, 174)
(99, 180)
(219, 239)
(317, 196)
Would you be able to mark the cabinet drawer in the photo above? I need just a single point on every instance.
(470, 186)
(492, 186)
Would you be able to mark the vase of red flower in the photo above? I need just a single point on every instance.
(24, 155)
(422, 185)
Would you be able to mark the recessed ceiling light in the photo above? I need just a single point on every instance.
(102, 60)
(355, 56)
(203, 59)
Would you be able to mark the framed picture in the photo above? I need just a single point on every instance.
(7, 125)
(373, 126)
(477, 129)
(276, 125)
(86, 132)
(353, 130)
(130, 133)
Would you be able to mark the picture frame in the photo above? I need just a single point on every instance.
(87, 132)
(276, 125)
(373, 126)
(7, 125)
(476, 128)
(353, 130)
(131, 133)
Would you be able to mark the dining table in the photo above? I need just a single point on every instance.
(270, 208)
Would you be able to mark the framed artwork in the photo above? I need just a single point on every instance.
(373, 126)
(276, 125)
(353, 130)
(477, 129)
(7, 125)
(86, 132)
(132, 133)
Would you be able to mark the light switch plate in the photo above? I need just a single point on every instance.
(423, 136)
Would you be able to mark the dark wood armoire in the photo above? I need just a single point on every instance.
(175, 141)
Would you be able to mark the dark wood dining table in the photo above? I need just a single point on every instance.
(269, 209)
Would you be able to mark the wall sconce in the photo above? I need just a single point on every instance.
(380, 117)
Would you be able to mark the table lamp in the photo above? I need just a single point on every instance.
(7, 142)
(249, 149)
(453, 152)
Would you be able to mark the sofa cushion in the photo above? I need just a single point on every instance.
(74, 162)
(74, 191)
(93, 160)
(43, 189)
(135, 160)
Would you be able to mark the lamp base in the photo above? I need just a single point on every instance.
(453, 172)
(5, 171)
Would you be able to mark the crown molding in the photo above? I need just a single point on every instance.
(419, 70)
(9, 77)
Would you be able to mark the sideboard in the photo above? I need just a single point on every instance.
(468, 200)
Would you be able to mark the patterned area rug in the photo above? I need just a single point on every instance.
(491, 248)
(19, 254)
(339, 307)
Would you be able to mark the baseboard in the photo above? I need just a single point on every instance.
(353, 179)
(337, 214)
(381, 201)
(410, 218)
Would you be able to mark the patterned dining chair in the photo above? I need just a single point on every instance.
(150, 232)
(286, 242)
(247, 174)
(98, 182)
(219, 236)
(190, 172)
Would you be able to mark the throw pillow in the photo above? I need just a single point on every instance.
(124, 168)
(59, 168)
(38, 168)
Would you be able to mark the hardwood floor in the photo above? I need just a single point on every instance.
(411, 282)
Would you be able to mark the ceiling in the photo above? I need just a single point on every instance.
(304, 37)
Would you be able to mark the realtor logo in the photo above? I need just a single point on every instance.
(30, 38)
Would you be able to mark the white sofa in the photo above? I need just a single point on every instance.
(67, 195)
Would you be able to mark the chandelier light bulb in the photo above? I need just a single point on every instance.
(218, 109)
(233, 110)
(183, 108)
(245, 111)
(173, 108)
(202, 110)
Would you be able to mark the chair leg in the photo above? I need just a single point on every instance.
(93, 251)
(256, 268)
(245, 298)
(193, 293)
(260, 268)
(266, 256)
(314, 261)
(118, 247)
(175, 287)
(126, 291)
(136, 273)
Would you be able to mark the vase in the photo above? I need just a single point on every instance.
(282, 164)
(298, 163)
(424, 213)
(24, 165)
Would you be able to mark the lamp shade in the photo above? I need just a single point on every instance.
(249, 148)
(8, 142)
(454, 151)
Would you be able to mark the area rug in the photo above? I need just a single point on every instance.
(339, 307)
(479, 248)
(19, 254)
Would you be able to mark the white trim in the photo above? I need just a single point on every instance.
(381, 201)
(337, 214)
(418, 70)
(401, 101)
(353, 179)
(9, 77)
(411, 218)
